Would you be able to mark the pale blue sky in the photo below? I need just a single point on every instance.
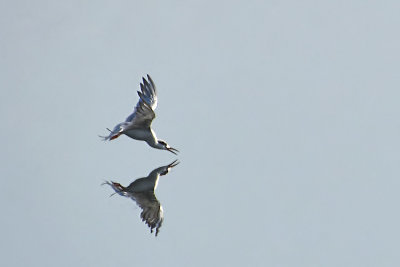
(286, 114)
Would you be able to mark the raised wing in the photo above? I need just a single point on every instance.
(149, 93)
(141, 117)
(144, 110)
(143, 114)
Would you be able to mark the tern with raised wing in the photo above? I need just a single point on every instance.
(142, 192)
(138, 124)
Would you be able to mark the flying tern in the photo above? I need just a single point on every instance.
(138, 124)
(142, 192)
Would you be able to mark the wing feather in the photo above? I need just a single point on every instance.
(143, 113)
(152, 212)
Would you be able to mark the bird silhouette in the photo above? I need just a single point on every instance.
(138, 124)
(142, 192)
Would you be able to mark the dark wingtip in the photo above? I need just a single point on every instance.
(145, 82)
(151, 81)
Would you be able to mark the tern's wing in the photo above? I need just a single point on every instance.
(149, 93)
(152, 211)
(144, 114)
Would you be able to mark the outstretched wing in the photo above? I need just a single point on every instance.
(152, 211)
(141, 117)
(149, 93)
(143, 114)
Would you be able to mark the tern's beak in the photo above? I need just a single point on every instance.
(173, 150)
(169, 166)
(173, 164)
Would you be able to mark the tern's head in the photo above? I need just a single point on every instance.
(163, 145)
(165, 169)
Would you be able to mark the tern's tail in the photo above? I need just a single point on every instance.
(113, 135)
(118, 188)
(103, 138)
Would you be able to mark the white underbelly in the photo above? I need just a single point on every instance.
(138, 134)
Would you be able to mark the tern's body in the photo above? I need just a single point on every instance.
(138, 125)
(141, 134)
(142, 192)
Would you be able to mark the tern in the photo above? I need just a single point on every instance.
(142, 192)
(138, 124)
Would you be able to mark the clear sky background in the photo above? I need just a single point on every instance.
(286, 114)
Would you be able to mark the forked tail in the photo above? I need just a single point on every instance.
(113, 135)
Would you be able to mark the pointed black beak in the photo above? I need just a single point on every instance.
(173, 164)
(173, 150)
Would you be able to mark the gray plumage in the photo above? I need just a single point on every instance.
(142, 192)
(138, 124)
